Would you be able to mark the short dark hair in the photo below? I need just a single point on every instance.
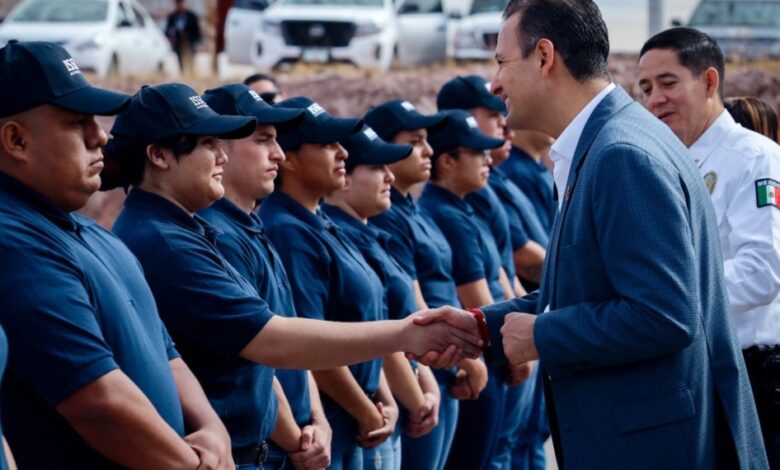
(256, 77)
(575, 27)
(696, 51)
(754, 114)
(125, 163)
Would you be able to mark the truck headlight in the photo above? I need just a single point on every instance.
(273, 27)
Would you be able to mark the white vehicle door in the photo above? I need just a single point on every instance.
(127, 41)
(152, 44)
(422, 30)
(243, 21)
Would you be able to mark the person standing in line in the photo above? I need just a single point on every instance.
(93, 379)
(166, 148)
(461, 165)
(183, 31)
(419, 247)
(681, 74)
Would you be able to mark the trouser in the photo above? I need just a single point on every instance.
(763, 368)
(429, 452)
(385, 456)
(478, 426)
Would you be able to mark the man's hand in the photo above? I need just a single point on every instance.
(427, 418)
(212, 448)
(375, 437)
(518, 373)
(443, 336)
(470, 380)
(315, 449)
(371, 422)
(518, 333)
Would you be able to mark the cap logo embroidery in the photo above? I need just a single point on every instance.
(315, 109)
(471, 122)
(198, 102)
(70, 64)
(254, 95)
(370, 133)
(407, 105)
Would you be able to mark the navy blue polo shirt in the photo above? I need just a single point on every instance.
(3, 362)
(372, 243)
(246, 247)
(209, 308)
(76, 306)
(519, 209)
(535, 181)
(474, 255)
(330, 279)
(420, 248)
(507, 237)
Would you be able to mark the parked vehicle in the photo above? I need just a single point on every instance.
(243, 20)
(744, 29)
(107, 37)
(474, 36)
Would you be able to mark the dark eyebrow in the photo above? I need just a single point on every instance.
(660, 77)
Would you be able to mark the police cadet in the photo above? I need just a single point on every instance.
(522, 432)
(461, 165)
(166, 147)
(331, 279)
(249, 177)
(93, 380)
(367, 193)
(681, 77)
(421, 249)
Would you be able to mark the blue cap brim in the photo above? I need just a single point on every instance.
(425, 122)
(93, 101)
(279, 116)
(332, 130)
(480, 141)
(387, 154)
(224, 127)
(495, 103)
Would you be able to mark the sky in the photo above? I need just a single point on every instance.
(627, 20)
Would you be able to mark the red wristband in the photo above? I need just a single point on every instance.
(483, 326)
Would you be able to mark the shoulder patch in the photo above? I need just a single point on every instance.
(767, 193)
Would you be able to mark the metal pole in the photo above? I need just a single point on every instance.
(655, 16)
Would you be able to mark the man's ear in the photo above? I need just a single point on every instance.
(15, 139)
(545, 55)
(712, 80)
(158, 156)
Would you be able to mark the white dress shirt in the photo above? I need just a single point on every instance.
(562, 150)
(736, 165)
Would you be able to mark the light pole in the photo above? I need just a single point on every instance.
(655, 17)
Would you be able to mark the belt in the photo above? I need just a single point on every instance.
(251, 455)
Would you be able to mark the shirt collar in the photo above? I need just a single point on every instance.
(249, 222)
(165, 209)
(398, 199)
(565, 145)
(318, 220)
(350, 223)
(448, 197)
(709, 140)
(37, 202)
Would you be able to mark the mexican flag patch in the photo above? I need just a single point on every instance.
(767, 193)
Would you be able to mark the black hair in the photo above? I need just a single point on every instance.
(754, 114)
(256, 77)
(575, 27)
(696, 51)
(452, 152)
(125, 162)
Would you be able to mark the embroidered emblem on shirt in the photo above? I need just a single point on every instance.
(710, 179)
(767, 193)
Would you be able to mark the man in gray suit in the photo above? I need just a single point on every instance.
(631, 324)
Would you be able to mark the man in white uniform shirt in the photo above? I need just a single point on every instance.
(680, 75)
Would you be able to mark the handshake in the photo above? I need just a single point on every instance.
(443, 336)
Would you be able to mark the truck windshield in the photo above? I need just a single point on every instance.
(58, 11)
(359, 3)
(737, 13)
(487, 6)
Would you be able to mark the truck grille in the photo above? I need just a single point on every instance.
(318, 33)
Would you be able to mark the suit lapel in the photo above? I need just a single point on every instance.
(616, 100)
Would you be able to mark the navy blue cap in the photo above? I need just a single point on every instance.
(237, 99)
(163, 111)
(471, 91)
(365, 147)
(461, 130)
(318, 126)
(37, 73)
(392, 117)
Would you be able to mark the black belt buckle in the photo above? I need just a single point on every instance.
(251, 455)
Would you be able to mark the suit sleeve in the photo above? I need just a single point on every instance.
(494, 315)
(643, 231)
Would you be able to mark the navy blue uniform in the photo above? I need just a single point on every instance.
(535, 181)
(475, 257)
(330, 281)
(420, 248)
(210, 309)
(3, 363)
(76, 307)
